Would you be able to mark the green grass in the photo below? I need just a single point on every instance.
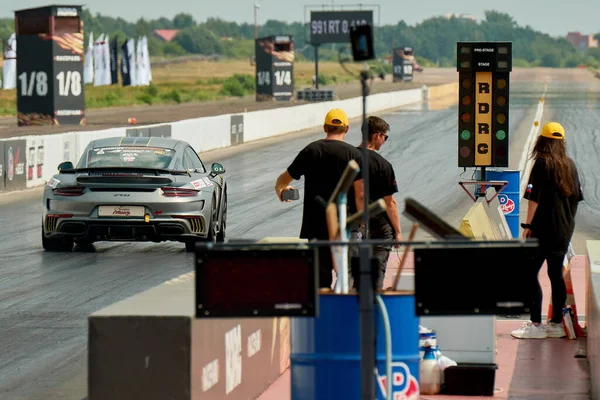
(193, 81)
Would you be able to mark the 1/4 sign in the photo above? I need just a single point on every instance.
(69, 83)
(283, 78)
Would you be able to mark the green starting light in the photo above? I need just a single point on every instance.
(465, 135)
(501, 135)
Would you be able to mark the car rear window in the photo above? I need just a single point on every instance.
(123, 156)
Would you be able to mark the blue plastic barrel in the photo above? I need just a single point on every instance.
(325, 353)
(510, 197)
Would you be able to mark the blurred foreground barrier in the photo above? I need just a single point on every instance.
(592, 315)
(472, 339)
(150, 346)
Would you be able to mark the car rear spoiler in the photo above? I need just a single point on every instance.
(156, 171)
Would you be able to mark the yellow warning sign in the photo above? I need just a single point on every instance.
(483, 119)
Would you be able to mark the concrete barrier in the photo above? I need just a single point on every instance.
(592, 315)
(34, 158)
(442, 96)
(150, 346)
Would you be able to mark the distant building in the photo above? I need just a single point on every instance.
(582, 42)
(165, 35)
(465, 17)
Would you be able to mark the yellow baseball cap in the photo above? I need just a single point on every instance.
(336, 117)
(553, 130)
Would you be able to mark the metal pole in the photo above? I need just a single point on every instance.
(482, 192)
(256, 6)
(366, 297)
(316, 66)
(342, 278)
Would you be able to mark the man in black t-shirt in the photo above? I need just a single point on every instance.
(322, 164)
(382, 185)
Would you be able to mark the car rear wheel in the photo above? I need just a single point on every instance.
(56, 244)
(222, 232)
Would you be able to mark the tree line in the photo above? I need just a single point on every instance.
(434, 39)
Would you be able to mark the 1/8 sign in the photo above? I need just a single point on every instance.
(403, 69)
(69, 83)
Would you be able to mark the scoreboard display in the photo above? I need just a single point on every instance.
(483, 124)
(334, 26)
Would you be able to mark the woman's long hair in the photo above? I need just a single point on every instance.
(559, 166)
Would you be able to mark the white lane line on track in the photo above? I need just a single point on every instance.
(525, 162)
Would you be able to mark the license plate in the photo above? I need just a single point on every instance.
(121, 211)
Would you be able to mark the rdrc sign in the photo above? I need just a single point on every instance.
(484, 70)
(334, 26)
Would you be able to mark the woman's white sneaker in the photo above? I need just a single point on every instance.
(555, 330)
(530, 331)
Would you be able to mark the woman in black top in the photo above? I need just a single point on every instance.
(553, 193)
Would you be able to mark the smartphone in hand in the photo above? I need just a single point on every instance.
(292, 194)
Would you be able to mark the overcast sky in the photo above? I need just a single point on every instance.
(555, 17)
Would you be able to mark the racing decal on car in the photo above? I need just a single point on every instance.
(208, 181)
(198, 184)
(53, 183)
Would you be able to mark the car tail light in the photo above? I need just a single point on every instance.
(69, 191)
(59, 215)
(178, 192)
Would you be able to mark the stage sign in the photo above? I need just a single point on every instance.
(484, 70)
(334, 26)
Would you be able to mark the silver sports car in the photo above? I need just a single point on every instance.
(135, 189)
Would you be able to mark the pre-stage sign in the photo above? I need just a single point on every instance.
(334, 26)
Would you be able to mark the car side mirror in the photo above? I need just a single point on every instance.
(217, 169)
(65, 165)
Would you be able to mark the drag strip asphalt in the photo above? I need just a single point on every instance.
(45, 298)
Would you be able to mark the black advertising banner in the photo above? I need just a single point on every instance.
(114, 61)
(237, 129)
(334, 26)
(275, 68)
(125, 74)
(35, 80)
(69, 99)
(2, 167)
(15, 155)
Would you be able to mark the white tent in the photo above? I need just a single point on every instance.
(131, 62)
(98, 69)
(88, 66)
(10, 64)
(139, 58)
(107, 79)
(147, 61)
